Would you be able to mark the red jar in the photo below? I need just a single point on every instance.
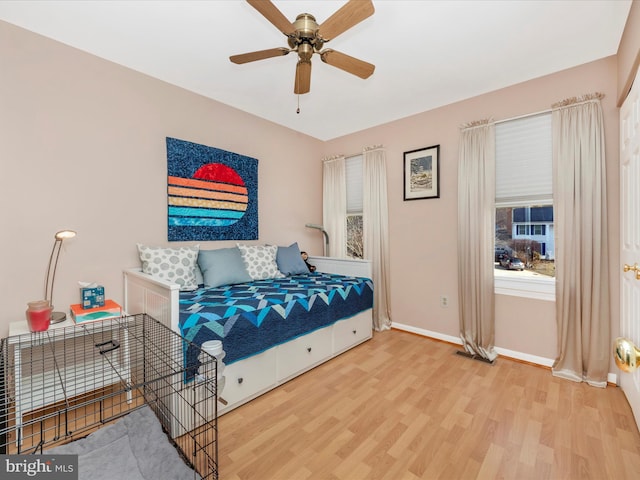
(38, 315)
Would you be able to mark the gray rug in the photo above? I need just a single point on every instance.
(133, 448)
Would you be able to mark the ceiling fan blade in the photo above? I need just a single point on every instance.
(347, 63)
(346, 17)
(259, 55)
(275, 16)
(303, 77)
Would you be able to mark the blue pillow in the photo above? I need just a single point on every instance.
(223, 266)
(199, 277)
(290, 261)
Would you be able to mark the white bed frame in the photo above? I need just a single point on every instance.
(247, 379)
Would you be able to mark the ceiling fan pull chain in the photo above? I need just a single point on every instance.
(298, 109)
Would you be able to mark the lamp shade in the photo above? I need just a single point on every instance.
(65, 234)
(50, 280)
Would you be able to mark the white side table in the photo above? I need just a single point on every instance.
(21, 327)
(54, 366)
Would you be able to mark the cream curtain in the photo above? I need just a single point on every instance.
(334, 204)
(582, 273)
(476, 225)
(376, 231)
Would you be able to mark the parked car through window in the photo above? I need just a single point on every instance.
(512, 263)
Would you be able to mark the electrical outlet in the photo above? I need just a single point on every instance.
(444, 301)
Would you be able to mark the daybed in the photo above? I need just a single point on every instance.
(278, 329)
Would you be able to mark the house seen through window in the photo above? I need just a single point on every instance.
(525, 233)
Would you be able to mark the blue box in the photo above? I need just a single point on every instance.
(92, 297)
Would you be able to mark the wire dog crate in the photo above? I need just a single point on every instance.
(60, 385)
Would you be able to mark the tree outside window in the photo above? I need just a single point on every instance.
(355, 243)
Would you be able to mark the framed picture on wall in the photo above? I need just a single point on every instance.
(422, 173)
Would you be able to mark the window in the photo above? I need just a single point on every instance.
(531, 242)
(538, 229)
(524, 206)
(354, 219)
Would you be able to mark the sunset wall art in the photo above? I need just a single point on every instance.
(212, 194)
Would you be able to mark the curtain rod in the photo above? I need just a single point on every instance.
(331, 158)
(522, 116)
(338, 156)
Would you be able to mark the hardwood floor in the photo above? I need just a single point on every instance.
(405, 407)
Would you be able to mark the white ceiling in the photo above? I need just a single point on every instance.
(427, 53)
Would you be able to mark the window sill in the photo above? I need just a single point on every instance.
(529, 286)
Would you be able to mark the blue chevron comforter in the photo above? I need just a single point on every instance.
(252, 317)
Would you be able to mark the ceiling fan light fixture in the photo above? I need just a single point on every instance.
(305, 52)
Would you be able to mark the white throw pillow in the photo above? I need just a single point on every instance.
(176, 265)
(260, 261)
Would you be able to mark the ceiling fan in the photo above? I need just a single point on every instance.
(306, 37)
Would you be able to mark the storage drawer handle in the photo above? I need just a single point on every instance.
(240, 380)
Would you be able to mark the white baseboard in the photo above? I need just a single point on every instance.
(427, 333)
(525, 357)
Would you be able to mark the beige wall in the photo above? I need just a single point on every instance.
(424, 232)
(83, 147)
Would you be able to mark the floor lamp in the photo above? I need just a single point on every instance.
(61, 236)
(326, 236)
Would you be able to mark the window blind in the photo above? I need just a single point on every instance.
(523, 161)
(353, 174)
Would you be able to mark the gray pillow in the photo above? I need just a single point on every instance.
(260, 261)
(290, 260)
(176, 265)
(223, 266)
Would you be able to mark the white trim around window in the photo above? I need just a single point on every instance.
(507, 283)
